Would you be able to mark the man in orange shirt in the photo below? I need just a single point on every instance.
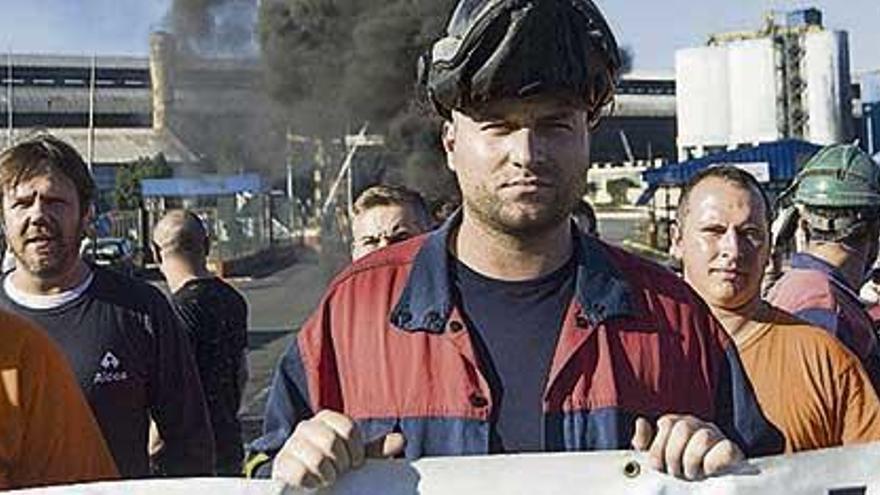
(47, 432)
(808, 384)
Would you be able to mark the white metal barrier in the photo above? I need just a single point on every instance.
(845, 471)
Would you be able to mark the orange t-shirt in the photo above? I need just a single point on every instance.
(47, 432)
(810, 387)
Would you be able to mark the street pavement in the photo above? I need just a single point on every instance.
(278, 304)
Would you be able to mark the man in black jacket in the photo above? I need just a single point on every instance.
(215, 315)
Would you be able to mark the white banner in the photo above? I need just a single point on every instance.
(844, 471)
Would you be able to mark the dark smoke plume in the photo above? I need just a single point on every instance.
(335, 64)
(215, 27)
(221, 107)
(627, 59)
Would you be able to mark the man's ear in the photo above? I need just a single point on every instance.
(448, 138)
(804, 228)
(157, 252)
(675, 238)
(88, 217)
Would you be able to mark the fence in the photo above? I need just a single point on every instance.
(239, 227)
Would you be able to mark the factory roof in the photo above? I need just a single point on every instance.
(75, 61)
(114, 146)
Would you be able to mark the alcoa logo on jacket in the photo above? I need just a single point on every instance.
(110, 371)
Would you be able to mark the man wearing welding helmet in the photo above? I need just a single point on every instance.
(506, 330)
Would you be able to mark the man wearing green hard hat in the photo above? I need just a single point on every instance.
(837, 197)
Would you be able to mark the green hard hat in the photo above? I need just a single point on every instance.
(838, 176)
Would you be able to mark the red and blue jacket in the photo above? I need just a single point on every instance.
(388, 347)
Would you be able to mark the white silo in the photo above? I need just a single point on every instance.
(702, 103)
(753, 92)
(825, 70)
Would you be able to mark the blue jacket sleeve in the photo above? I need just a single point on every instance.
(288, 404)
(738, 414)
(177, 401)
(821, 317)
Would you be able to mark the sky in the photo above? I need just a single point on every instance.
(654, 29)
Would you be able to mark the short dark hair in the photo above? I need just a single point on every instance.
(729, 173)
(388, 195)
(44, 154)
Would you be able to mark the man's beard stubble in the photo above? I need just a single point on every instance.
(490, 211)
(55, 264)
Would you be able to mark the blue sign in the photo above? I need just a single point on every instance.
(206, 185)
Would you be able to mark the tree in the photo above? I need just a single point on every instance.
(618, 188)
(591, 189)
(127, 194)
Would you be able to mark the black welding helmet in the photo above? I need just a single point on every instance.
(516, 48)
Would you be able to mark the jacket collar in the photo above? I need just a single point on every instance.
(806, 261)
(426, 301)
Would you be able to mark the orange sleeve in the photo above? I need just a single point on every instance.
(60, 439)
(860, 407)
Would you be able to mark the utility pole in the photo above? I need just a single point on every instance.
(350, 205)
(91, 137)
(346, 165)
(9, 108)
(868, 114)
(291, 202)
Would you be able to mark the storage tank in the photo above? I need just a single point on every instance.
(702, 96)
(825, 68)
(753, 91)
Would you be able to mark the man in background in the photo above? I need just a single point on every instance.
(809, 385)
(386, 214)
(837, 196)
(215, 315)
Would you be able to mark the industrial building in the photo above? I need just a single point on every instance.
(869, 97)
(788, 80)
(214, 116)
(64, 94)
(765, 101)
(115, 110)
